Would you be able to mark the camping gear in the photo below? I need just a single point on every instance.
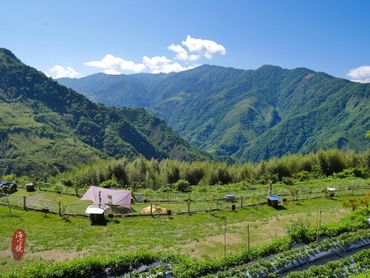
(8, 187)
(139, 198)
(330, 192)
(230, 198)
(110, 197)
(30, 187)
(96, 213)
(154, 209)
(273, 200)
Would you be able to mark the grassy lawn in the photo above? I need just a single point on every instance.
(50, 237)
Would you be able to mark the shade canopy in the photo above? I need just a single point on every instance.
(108, 196)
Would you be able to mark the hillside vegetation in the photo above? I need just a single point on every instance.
(172, 175)
(245, 114)
(46, 128)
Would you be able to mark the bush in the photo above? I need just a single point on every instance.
(109, 184)
(267, 178)
(183, 186)
(67, 182)
(302, 176)
(166, 188)
(301, 231)
(288, 181)
(354, 172)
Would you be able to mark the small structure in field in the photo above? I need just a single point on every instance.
(273, 200)
(96, 213)
(230, 198)
(330, 192)
(30, 187)
(104, 199)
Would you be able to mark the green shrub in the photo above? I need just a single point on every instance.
(67, 182)
(183, 186)
(302, 176)
(287, 181)
(109, 184)
(301, 231)
(166, 188)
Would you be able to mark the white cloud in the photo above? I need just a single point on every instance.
(186, 53)
(360, 74)
(206, 48)
(162, 64)
(116, 65)
(182, 54)
(60, 71)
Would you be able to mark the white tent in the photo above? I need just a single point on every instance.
(101, 195)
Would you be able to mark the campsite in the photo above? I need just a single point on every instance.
(52, 235)
(184, 139)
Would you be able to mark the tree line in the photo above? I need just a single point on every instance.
(155, 174)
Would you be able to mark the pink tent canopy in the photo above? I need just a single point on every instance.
(108, 196)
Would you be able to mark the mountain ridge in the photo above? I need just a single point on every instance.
(256, 114)
(47, 128)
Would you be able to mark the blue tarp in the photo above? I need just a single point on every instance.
(273, 198)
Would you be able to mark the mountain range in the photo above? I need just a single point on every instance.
(241, 115)
(46, 128)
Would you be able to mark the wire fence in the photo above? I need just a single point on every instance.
(183, 203)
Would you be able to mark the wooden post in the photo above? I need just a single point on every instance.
(249, 239)
(318, 227)
(241, 202)
(10, 209)
(225, 231)
(24, 203)
(189, 206)
(151, 209)
(60, 208)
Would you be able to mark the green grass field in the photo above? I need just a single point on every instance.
(54, 238)
(51, 237)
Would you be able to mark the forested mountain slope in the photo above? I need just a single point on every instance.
(46, 128)
(248, 114)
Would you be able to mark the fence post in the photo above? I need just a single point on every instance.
(24, 203)
(241, 202)
(318, 227)
(151, 209)
(225, 231)
(249, 239)
(189, 206)
(10, 210)
(60, 208)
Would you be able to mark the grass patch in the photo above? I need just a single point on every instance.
(50, 237)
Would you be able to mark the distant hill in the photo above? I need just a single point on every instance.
(247, 114)
(46, 128)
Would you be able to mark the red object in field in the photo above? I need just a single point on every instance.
(18, 244)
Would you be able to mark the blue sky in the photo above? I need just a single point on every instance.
(330, 36)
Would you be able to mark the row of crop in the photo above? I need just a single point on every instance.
(358, 263)
(290, 259)
(353, 222)
(91, 267)
(183, 266)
